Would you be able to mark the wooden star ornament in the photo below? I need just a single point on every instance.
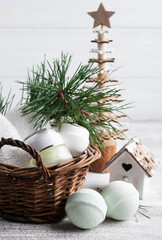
(101, 17)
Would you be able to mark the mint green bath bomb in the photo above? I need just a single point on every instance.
(86, 208)
(122, 200)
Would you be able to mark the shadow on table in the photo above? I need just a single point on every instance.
(67, 226)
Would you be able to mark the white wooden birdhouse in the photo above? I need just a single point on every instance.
(133, 163)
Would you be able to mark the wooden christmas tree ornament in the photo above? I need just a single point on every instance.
(101, 18)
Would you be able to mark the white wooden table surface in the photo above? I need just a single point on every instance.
(145, 229)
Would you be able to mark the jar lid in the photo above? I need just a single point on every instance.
(43, 139)
(66, 127)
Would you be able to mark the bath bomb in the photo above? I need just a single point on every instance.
(122, 200)
(75, 137)
(86, 208)
(22, 123)
(8, 154)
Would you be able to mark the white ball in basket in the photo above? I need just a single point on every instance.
(8, 154)
(86, 208)
(75, 137)
(122, 200)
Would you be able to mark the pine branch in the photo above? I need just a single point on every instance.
(5, 102)
(54, 98)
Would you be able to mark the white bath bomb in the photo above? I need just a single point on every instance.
(86, 208)
(122, 200)
(75, 137)
(8, 154)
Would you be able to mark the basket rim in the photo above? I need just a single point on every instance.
(91, 154)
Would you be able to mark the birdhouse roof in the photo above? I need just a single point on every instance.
(140, 153)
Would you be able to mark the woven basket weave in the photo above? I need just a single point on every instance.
(39, 194)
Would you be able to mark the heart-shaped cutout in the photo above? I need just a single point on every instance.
(126, 167)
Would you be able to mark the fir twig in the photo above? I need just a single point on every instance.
(5, 102)
(54, 98)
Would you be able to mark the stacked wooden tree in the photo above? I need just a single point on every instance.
(101, 18)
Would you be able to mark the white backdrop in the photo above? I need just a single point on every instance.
(31, 28)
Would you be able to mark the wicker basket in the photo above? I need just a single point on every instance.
(39, 194)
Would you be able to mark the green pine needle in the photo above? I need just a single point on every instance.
(140, 210)
(53, 97)
(5, 102)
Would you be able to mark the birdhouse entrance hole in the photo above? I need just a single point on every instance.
(126, 167)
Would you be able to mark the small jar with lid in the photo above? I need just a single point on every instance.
(50, 146)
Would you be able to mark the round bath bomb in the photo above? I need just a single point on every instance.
(86, 208)
(122, 200)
